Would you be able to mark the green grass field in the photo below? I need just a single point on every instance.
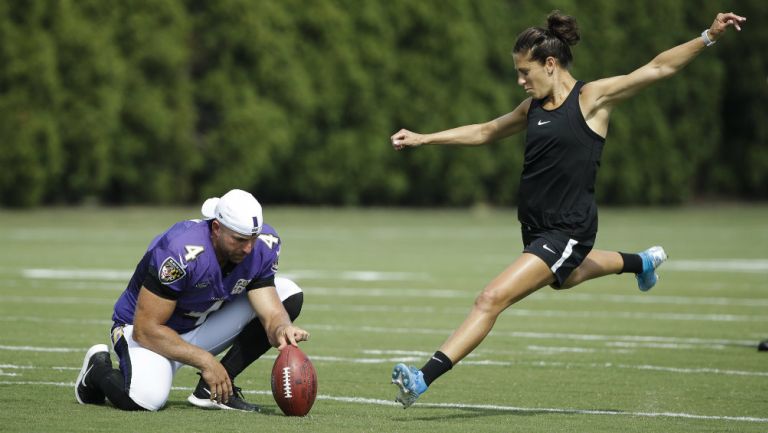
(382, 286)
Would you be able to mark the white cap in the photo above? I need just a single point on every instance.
(237, 210)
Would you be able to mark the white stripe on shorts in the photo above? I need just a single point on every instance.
(566, 254)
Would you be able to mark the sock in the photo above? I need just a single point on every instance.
(252, 342)
(438, 365)
(632, 263)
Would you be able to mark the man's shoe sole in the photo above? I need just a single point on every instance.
(206, 403)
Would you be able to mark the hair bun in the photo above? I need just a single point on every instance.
(563, 27)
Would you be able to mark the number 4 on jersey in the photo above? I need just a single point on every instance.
(270, 240)
(192, 251)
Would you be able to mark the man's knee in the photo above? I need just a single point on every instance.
(293, 305)
(286, 288)
(291, 295)
(149, 399)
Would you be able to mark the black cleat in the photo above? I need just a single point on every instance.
(98, 354)
(763, 346)
(202, 398)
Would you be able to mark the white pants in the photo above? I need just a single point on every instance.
(152, 374)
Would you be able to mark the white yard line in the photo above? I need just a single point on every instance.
(542, 335)
(125, 275)
(654, 299)
(703, 265)
(522, 312)
(6, 299)
(64, 279)
(488, 407)
(63, 321)
(394, 293)
(40, 349)
(77, 274)
(395, 356)
(623, 341)
(718, 265)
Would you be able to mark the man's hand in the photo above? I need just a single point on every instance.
(289, 334)
(216, 377)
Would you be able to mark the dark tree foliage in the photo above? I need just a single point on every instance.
(170, 101)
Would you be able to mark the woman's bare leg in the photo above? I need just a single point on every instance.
(526, 275)
(598, 263)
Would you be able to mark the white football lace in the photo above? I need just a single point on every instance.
(287, 382)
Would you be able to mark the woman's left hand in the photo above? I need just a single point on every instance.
(722, 22)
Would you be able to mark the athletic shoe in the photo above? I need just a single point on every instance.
(202, 398)
(98, 354)
(763, 346)
(410, 384)
(653, 257)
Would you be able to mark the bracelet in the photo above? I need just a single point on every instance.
(705, 38)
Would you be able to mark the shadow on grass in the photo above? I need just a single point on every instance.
(464, 413)
(268, 410)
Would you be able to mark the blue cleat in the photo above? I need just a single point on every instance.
(410, 383)
(653, 257)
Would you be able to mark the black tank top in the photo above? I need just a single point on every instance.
(562, 155)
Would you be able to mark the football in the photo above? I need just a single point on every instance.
(294, 382)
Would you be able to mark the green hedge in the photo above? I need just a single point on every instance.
(170, 101)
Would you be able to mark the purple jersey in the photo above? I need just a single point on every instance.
(181, 265)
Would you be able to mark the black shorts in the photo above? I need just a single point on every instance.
(559, 251)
